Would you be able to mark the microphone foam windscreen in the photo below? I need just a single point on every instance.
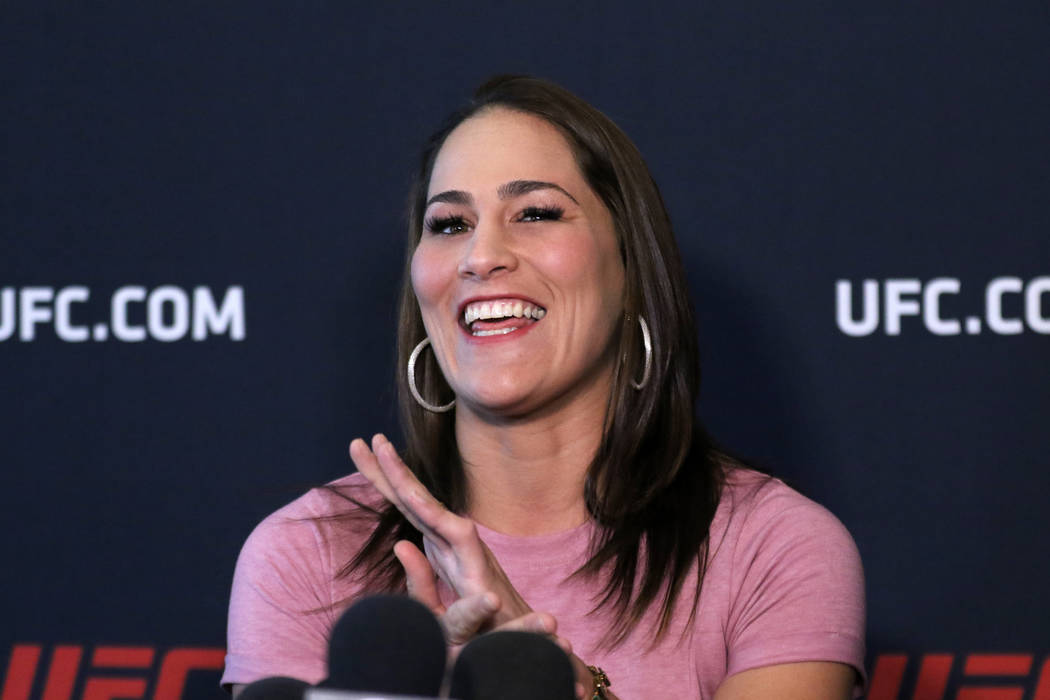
(513, 666)
(275, 688)
(387, 644)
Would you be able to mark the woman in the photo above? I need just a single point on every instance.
(555, 478)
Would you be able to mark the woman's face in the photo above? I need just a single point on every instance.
(518, 272)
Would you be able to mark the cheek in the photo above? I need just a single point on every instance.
(573, 259)
(589, 263)
(429, 276)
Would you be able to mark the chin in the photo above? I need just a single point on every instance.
(503, 398)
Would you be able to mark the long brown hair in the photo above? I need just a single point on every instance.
(656, 478)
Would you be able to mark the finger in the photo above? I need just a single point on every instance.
(563, 643)
(395, 469)
(419, 576)
(443, 527)
(465, 618)
(427, 514)
(399, 476)
(535, 622)
(368, 466)
(584, 677)
(452, 544)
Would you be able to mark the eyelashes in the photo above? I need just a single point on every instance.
(446, 224)
(541, 214)
(458, 224)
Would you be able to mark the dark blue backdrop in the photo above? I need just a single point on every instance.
(267, 147)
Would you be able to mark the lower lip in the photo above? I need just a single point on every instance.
(498, 337)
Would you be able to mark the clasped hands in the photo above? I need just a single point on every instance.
(454, 552)
(486, 600)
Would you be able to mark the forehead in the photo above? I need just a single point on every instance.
(499, 145)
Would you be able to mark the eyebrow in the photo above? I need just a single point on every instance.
(514, 188)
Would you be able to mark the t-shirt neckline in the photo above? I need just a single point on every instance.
(566, 545)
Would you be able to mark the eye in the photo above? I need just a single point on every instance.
(530, 214)
(446, 225)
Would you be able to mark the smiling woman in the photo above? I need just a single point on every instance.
(503, 227)
(555, 478)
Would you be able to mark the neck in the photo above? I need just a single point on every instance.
(526, 475)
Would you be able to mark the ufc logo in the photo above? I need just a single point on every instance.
(963, 677)
(111, 672)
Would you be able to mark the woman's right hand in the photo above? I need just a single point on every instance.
(454, 552)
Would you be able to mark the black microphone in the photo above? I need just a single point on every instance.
(274, 688)
(386, 644)
(513, 666)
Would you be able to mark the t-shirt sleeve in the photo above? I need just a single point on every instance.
(280, 604)
(799, 587)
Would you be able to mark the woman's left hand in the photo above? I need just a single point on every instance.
(453, 548)
(466, 617)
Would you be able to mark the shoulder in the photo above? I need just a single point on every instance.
(757, 511)
(794, 582)
(343, 496)
(321, 518)
(285, 588)
(763, 525)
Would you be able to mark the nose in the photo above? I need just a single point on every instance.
(488, 253)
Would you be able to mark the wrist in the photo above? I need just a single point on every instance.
(586, 685)
(599, 684)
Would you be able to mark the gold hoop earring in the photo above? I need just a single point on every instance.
(647, 341)
(412, 381)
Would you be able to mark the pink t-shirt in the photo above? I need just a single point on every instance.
(784, 584)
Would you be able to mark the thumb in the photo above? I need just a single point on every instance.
(419, 576)
(467, 616)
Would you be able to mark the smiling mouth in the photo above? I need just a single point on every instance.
(500, 316)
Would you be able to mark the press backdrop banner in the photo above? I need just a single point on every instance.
(201, 236)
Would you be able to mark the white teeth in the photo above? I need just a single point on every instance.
(500, 331)
(501, 309)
